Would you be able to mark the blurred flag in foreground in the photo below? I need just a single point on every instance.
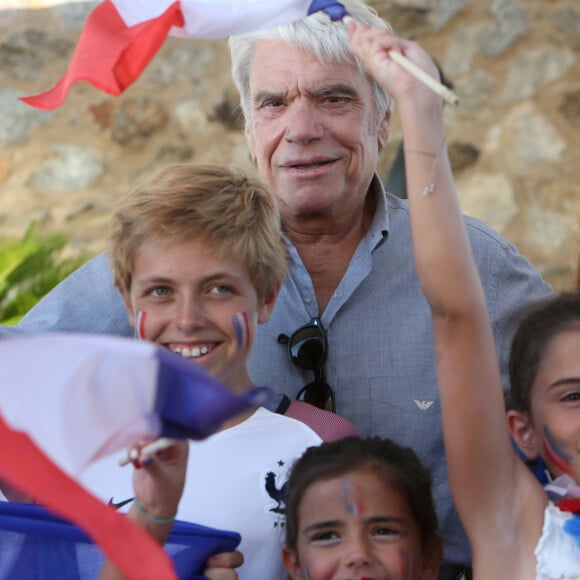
(67, 400)
(121, 36)
(36, 545)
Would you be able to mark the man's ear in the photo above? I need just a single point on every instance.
(290, 559)
(523, 433)
(432, 559)
(268, 304)
(383, 134)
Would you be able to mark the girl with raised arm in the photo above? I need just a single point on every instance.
(514, 530)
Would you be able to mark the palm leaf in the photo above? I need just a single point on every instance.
(29, 269)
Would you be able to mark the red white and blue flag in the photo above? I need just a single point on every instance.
(122, 36)
(67, 400)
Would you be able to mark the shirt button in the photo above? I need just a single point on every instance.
(307, 300)
(338, 295)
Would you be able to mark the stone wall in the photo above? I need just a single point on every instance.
(514, 139)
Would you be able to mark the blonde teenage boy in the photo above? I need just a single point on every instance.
(199, 258)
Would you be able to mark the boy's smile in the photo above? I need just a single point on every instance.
(187, 350)
(190, 298)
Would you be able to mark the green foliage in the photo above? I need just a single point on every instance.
(29, 269)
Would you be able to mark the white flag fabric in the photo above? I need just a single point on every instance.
(81, 397)
(216, 18)
(122, 36)
(68, 399)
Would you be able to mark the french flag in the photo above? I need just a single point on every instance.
(122, 36)
(67, 400)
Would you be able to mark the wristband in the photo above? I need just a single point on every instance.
(151, 517)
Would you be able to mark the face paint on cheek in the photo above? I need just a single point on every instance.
(353, 503)
(555, 453)
(407, 566)
(241, 326)
(140, 325)
(306, 572)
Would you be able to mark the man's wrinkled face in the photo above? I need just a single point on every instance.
(313, 130)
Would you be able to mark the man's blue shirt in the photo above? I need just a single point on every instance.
(381, 360)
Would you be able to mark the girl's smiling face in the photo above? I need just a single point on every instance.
(198, 304)
(358, 526)
(555, 405)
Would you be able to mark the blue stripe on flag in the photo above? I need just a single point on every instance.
(191, 403)
(335, 10)
(36, 545)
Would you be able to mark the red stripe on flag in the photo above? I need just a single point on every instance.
(110, 55)
(26, 468)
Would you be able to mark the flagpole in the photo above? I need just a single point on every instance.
(447, 94)
(151, 449)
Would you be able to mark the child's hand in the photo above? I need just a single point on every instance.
(159, 481)
(222, 566)
(373, 45)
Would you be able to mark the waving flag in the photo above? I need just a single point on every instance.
(81, 397)
(67, 400)
(122, 36)
(35, 545)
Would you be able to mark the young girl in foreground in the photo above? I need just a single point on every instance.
(360, 509)
(515, 532)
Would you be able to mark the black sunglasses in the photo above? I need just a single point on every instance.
(308, 349)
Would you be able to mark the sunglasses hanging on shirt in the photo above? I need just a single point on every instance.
(308, 350)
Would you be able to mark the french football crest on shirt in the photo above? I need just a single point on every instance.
(274, 482)
(423, 405)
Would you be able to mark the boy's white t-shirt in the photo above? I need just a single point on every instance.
(235, 480)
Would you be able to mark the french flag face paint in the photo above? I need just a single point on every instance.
(241, 325)
(408, 566)
(140, 325)
(353, 503)
(555, 453)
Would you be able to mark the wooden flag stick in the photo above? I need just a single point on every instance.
(447, 94)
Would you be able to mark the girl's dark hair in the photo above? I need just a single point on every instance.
(400, 467)
(531, 340)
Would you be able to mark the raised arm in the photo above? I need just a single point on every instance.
(485, 474)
